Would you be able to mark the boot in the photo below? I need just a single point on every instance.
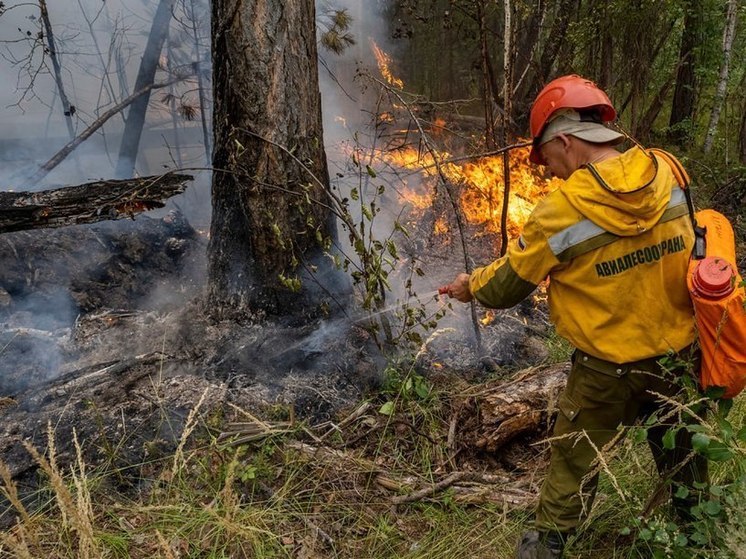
(541, 545)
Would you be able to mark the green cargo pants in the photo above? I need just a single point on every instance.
(600, 396)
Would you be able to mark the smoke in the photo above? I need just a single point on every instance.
(351, 104)
(99, 46)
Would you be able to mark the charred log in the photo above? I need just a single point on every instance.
(87, 203)
(520, 408)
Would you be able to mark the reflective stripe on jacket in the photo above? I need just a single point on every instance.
(614, 241)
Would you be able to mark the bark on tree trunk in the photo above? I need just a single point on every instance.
(66, 107)
(684, 96)
(489, 116)
(145, 77)
(554, 43)
(742, 131)
(270, 183)
(522, 407)
(742, 135)
(728, 34)
(645, 124)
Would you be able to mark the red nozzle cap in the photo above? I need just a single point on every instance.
(443, 290)
(713, 278)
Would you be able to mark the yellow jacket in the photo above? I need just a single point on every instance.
(614, 241)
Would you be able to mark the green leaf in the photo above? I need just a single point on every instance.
(681, 540)
(712, 508)
(669, 439)
(422, 388)
(699, 538)
(700, 442)
(392, 249)
(715, 392)
(718, 452)
(387, 408)
(682, 492)
(741, 436)
(625, 531)
(640, 435)
(370, 170)
(726, 429)
(354, 194)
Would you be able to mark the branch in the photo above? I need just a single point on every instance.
(444, 180)
(95, 125)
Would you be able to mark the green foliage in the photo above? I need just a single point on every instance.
(336, 36)
(559, 348)
(375, 256)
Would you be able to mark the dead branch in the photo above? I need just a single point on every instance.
(67, 109)
(87, 203)
(431, 489)
(446, 186)
(60, 156)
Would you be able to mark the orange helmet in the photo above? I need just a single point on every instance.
(566, 92)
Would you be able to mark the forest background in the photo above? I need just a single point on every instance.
(676, 70)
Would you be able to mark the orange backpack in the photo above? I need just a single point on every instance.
(717, 293)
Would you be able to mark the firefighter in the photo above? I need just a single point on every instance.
(614, 241)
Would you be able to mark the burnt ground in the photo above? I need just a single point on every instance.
(103, 334)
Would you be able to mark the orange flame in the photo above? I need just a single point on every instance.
(384, 62)
(488, 318)
(482, 185)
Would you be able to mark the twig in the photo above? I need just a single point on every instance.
(452, 479)
(58, 157)
(444, 181)
(359, 411)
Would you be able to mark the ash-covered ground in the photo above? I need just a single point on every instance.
(104, 334)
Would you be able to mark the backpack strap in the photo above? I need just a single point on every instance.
(682, 177)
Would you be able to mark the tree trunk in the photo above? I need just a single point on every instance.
(200, 84)
(66, 107)
(643, 127)
(145, 76)
(684, 96)
(556, 38)
(742, 131)
(641, 76)
(489, 115)
(270, 184)
(728, 33)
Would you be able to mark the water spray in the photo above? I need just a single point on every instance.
(440, 291)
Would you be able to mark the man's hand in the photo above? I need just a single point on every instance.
(459, 289)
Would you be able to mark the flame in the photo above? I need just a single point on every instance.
(384, 61)
(482, 185)
(482, 200)
(488, 318)
(441, 226)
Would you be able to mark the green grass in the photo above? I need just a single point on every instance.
(275, 498)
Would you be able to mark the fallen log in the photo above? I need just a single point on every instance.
(87, 203)
(502, 412)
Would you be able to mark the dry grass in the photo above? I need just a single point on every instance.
(306, 493)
